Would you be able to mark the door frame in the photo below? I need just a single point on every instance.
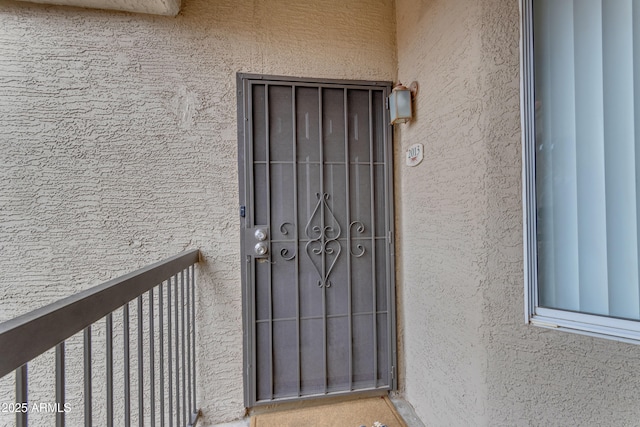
(243, 81)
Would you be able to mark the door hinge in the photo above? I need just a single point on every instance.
(386, 103)
(393, 372)
(390, 237)
(243, 211)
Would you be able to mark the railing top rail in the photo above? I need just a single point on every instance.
(30, 335)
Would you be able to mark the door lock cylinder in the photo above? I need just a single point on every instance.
(261, 249)
(258, 241)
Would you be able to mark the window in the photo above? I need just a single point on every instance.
(581, 133)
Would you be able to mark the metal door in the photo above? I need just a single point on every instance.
(317, 238)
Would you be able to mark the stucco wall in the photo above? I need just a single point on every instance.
(441, 212)
(470, 359)
(118, 145)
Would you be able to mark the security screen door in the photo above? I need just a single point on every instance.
(317, 238)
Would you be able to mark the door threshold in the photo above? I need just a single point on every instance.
(311, 401)
(403, 407)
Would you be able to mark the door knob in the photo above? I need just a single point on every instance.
(261, 249)
(261, 234)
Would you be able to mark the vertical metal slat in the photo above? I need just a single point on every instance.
(109, 369)
(60, 384)
(22, 395)
(140, 365)
(296, 237)
(177, 354)
(347, 163)
(193, 338)
(169, 357)
(88, 413)
(127, 373)
(374, 283)
(183, 364)
(152, 360)
(188, 306)
(324, 267)
(161, 331)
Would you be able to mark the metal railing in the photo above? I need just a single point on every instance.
(166, 383)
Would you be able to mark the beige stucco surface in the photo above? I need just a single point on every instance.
(118, 145)
(156, 7)
(469, 357)
(441, 213)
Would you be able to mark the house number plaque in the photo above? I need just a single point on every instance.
(415, 154)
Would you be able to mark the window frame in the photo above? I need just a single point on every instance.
(586, 324)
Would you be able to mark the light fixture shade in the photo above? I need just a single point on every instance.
(400, 104)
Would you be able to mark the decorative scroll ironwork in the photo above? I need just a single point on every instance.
(323, 241)
(360, 229)
(283, 228)
(284, 253)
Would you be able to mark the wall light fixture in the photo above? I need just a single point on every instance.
(400, 105)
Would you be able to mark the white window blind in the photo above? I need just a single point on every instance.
(586, 56)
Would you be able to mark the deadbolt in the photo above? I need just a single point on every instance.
(261, 234)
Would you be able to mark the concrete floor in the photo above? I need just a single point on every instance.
(240, 423)
(404, 409)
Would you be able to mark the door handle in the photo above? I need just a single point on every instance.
(261, 249)
(258, 241)
(261, 234)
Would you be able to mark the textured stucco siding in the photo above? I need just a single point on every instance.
(469, 357)
(440, 215)
(155, 7)
(118, 145)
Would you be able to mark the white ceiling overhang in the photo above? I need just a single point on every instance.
(154, 7)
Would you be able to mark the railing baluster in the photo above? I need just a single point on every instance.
(152, 360)
(193, 338)
(184, 390)
(177, 323)
(22, 396)
(109, 369)
(161, 328)
(140, 366)
(60, 384)
(127, 379)
(169, 359)
(87, 378)
(190, 409)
